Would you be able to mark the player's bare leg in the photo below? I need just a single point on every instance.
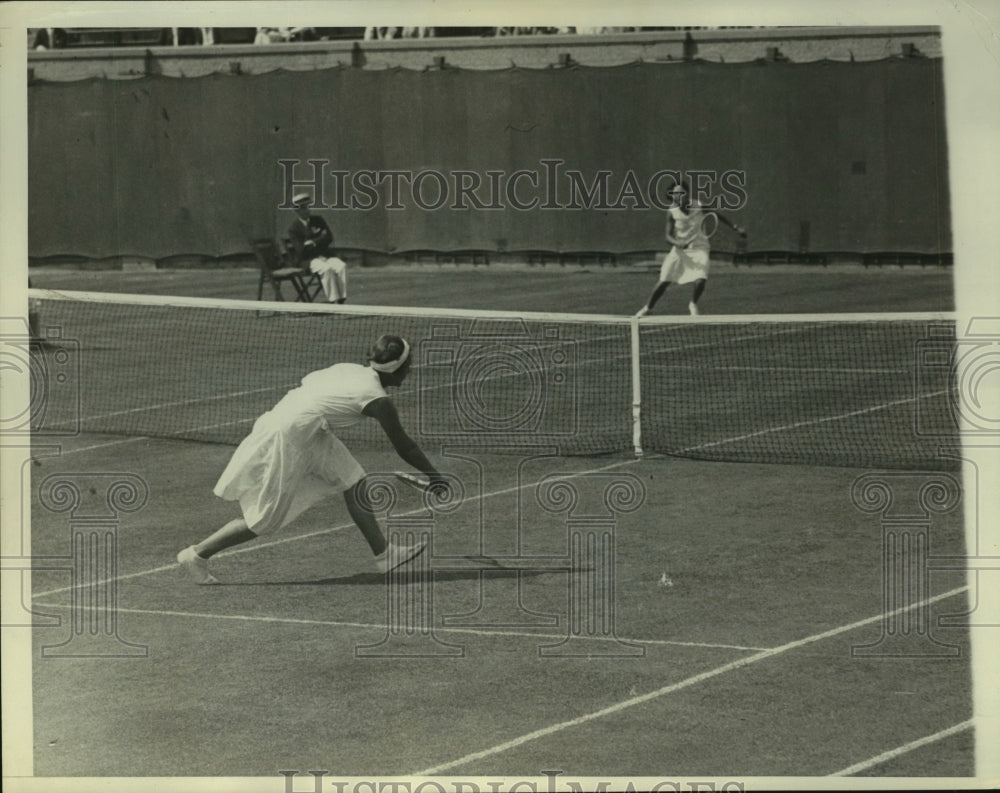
(195, 558)
(388, 555)
(699, 288)
(365, 521)
(233, 533)
(653, 298)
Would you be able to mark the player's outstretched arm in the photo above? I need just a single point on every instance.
(384, 412)
(726, 221)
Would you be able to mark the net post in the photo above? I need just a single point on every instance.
(636, 388)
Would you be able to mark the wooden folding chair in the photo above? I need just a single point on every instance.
(311, 282)
(275, 270)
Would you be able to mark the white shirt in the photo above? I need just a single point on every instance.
(687, 225)
(337, 394)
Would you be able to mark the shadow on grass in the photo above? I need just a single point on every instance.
(473, 569)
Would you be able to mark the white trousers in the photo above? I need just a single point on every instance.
(333, 275)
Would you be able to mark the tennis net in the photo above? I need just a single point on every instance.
(807, 390)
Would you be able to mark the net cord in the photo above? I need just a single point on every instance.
(423, 311)
(317, 308)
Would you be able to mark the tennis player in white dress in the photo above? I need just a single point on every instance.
(293, 459)
(689, 258)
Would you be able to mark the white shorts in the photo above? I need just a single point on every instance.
(281, 469)
(685, 266)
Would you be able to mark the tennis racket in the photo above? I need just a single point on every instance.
(708, 224)
(443, 495)
(413, 480)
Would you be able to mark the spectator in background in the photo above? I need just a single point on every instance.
(312, 244)
(264, 35)
(282, 35)
(378, 34)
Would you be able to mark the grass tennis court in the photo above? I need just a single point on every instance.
(739, 592)
(762, 289)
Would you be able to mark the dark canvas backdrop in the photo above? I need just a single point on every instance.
(838, 156)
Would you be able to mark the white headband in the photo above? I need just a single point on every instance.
(391, 366)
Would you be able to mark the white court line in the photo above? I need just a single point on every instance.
(381, 627)
(98, 446)
(652, 350)
(267, 544)
(797, 424)
(864, 765)
(164, 405)
(796, 369)
(674, 687)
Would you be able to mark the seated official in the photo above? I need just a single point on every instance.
(312, 243)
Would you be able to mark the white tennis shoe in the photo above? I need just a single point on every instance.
(642, 312)
(397, 555)
(196, 566)
(693, 309)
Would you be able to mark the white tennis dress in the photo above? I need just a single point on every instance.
(691, 263)
(293, 458)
